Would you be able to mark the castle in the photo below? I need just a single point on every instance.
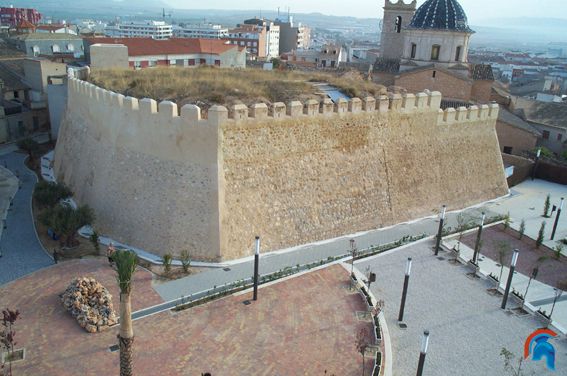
(167, 179)
(427, 48)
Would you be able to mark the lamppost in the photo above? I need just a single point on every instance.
(478, 238)
(423, 352)
(510, 276)
(256, 266)
(440, 231)
(405, 290)
(558, 293)
(557, 218)
(535, 163)
(353, 254)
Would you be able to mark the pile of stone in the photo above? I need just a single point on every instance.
(90, 303)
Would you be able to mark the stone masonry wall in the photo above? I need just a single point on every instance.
(165, 181)
(327, 172)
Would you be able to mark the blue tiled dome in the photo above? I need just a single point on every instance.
(440, 15)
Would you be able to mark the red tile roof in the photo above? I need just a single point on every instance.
(174, 46)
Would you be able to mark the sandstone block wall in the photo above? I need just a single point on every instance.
(294, 173)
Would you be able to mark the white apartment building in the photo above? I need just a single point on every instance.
(202, 31)
(145, 29)
(273, 41)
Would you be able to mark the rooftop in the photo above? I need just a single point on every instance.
(507, 117)
(551, 114)
(446, 15)
(47, 36)
(150, 46)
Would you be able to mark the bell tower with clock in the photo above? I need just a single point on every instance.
(397, 16)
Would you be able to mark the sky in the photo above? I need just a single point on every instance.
(476, 10)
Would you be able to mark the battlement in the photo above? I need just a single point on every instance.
(400, 5)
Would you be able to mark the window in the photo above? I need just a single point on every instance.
(70, 47)
(507, 150)
(137, 64)
(458, 54)
(152, 63)
(545, 135)
(202, 61)
(35, 123)
(435, 52)
(413, 50)
(35, 50)
(191, 62)
(217, 63)
(559, 136)
(398, 24)
(16, 94)
(55, 48)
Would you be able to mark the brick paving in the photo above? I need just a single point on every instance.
(467, 327)
(302, 326)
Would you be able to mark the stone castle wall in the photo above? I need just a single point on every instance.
(292, 174)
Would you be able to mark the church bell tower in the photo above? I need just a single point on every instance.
(397, 16)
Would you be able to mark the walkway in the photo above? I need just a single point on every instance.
(21, 251)
(278, 260)
(467, 327)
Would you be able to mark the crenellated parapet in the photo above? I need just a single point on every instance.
(146, 109)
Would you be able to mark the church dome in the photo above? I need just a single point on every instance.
(445, 15)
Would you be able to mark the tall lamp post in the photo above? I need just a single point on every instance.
(510, 276)
(478, 239)
(423, 352)
(405, 290)
(535, 163)
(256, 266)
(533, 276)
(557, 219)
(440, 231)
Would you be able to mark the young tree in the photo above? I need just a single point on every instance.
(94, 238)
(362, 343)
(7, 335)
(125, 266)
(503, 250)
(28, 145)
(546, 206)
(522, 228)
(65, 220)
(185, 258)
(506, 221)
(540, 235)
(509, 366)
(167, 259)
(49, 194)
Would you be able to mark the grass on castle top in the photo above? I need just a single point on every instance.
(208, 86)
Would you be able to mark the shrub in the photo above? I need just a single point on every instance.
(167, 260)
(94, 238)
(522, 228)
(507, 221)
(540, 235)
(48, 194)
(546, 206)
(558, 250)
(28, 145)
(185, 258)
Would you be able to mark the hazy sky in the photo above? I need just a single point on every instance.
(476, 9)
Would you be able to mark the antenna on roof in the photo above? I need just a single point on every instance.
(278, 12)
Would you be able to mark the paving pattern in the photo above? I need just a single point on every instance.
(303, 326)
(468, 328)
(21, 251)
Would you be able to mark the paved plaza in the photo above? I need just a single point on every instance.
(302, 326)
(468, 328)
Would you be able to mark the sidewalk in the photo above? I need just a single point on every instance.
(540, 295)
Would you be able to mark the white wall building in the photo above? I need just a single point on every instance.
(145, 29)
(203, 31)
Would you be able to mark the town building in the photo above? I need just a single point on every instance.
(272, 36)
(202, 31)
(253, 37)
(48, 44)
(428, 48)
(330, 56)
(12, 17)
(176, 52)
(56, 29)
(548, 118)
(141, 29)
(515, 135)
(293, 37)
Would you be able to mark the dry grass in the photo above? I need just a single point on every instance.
(208, 86)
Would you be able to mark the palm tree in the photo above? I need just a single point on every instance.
(125, 266)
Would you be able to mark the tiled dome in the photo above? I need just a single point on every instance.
(440, 15)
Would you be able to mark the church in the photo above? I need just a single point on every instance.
(427, 48)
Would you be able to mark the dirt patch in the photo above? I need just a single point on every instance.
(552, 271)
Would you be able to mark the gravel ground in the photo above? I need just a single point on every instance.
(468, 328)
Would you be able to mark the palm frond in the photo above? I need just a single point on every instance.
(126, 262)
